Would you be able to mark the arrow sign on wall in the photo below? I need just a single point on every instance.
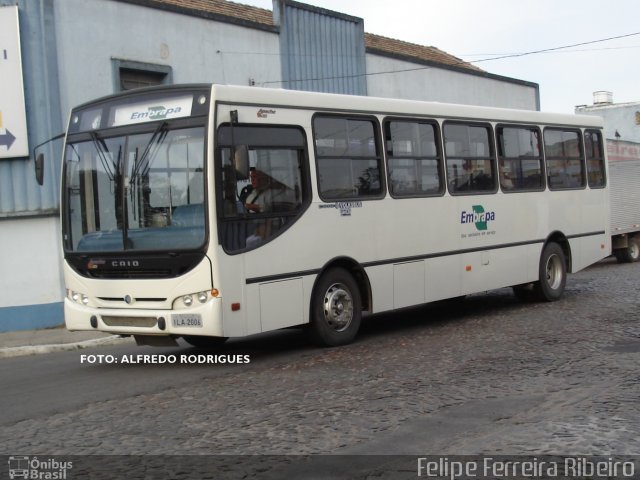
(7, 139)
(14, 143)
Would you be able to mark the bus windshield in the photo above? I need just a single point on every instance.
(135, 192)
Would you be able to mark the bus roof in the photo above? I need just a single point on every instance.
(388, 106)
(275, 97)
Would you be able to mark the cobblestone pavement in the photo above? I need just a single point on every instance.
(487, 375)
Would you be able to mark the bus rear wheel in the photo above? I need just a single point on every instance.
(552, 274)
(336, 309)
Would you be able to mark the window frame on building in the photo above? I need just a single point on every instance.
(155, 73)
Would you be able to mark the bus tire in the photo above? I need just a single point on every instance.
(629, 254)
(552, 274)
(336, 309)
(200, 341)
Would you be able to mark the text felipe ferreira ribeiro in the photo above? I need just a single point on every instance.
(533, 467)
(160, 359)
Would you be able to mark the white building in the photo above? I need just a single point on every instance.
(621, 120)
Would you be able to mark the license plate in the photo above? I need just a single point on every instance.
(187, 320)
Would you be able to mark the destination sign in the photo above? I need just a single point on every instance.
(151, 111)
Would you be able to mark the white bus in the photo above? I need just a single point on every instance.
(207, 212)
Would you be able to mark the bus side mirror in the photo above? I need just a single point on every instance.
(241, 161)
(39, 168)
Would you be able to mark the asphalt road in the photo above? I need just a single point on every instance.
(40, 386)
(489, 375)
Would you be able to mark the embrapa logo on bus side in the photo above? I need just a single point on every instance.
(478, 216)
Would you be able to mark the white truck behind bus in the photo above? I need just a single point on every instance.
(624, 187)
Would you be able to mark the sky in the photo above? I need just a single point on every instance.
(479, 30)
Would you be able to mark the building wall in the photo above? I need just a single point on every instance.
(32, 283)
(196, 49)
(623, 118)
(425, 82)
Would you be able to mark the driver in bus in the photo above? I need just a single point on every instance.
(266, 190)
(267, 195)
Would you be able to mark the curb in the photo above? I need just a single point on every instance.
(10, 352)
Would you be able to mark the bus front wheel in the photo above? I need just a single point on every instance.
(552, 273)
(336, 309)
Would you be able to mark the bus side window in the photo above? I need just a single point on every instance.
(520, 159)
(255, 210)
(565, 159)
(595, 159)
(348, 156)
(470, 158)
(415, 163)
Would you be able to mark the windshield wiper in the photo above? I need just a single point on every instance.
(142, 166)
(102, 149)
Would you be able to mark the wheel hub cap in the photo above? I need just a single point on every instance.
(338, 307)
(554, 272)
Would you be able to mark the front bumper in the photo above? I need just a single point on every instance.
(144, 321)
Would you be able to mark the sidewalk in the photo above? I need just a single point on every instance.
(32, 342)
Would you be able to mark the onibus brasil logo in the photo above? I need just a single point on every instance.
(478, 216)
(38, 468)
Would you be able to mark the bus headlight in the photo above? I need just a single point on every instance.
(192, 299)
(79, 298)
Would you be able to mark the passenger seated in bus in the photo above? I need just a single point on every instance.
(507, 182)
